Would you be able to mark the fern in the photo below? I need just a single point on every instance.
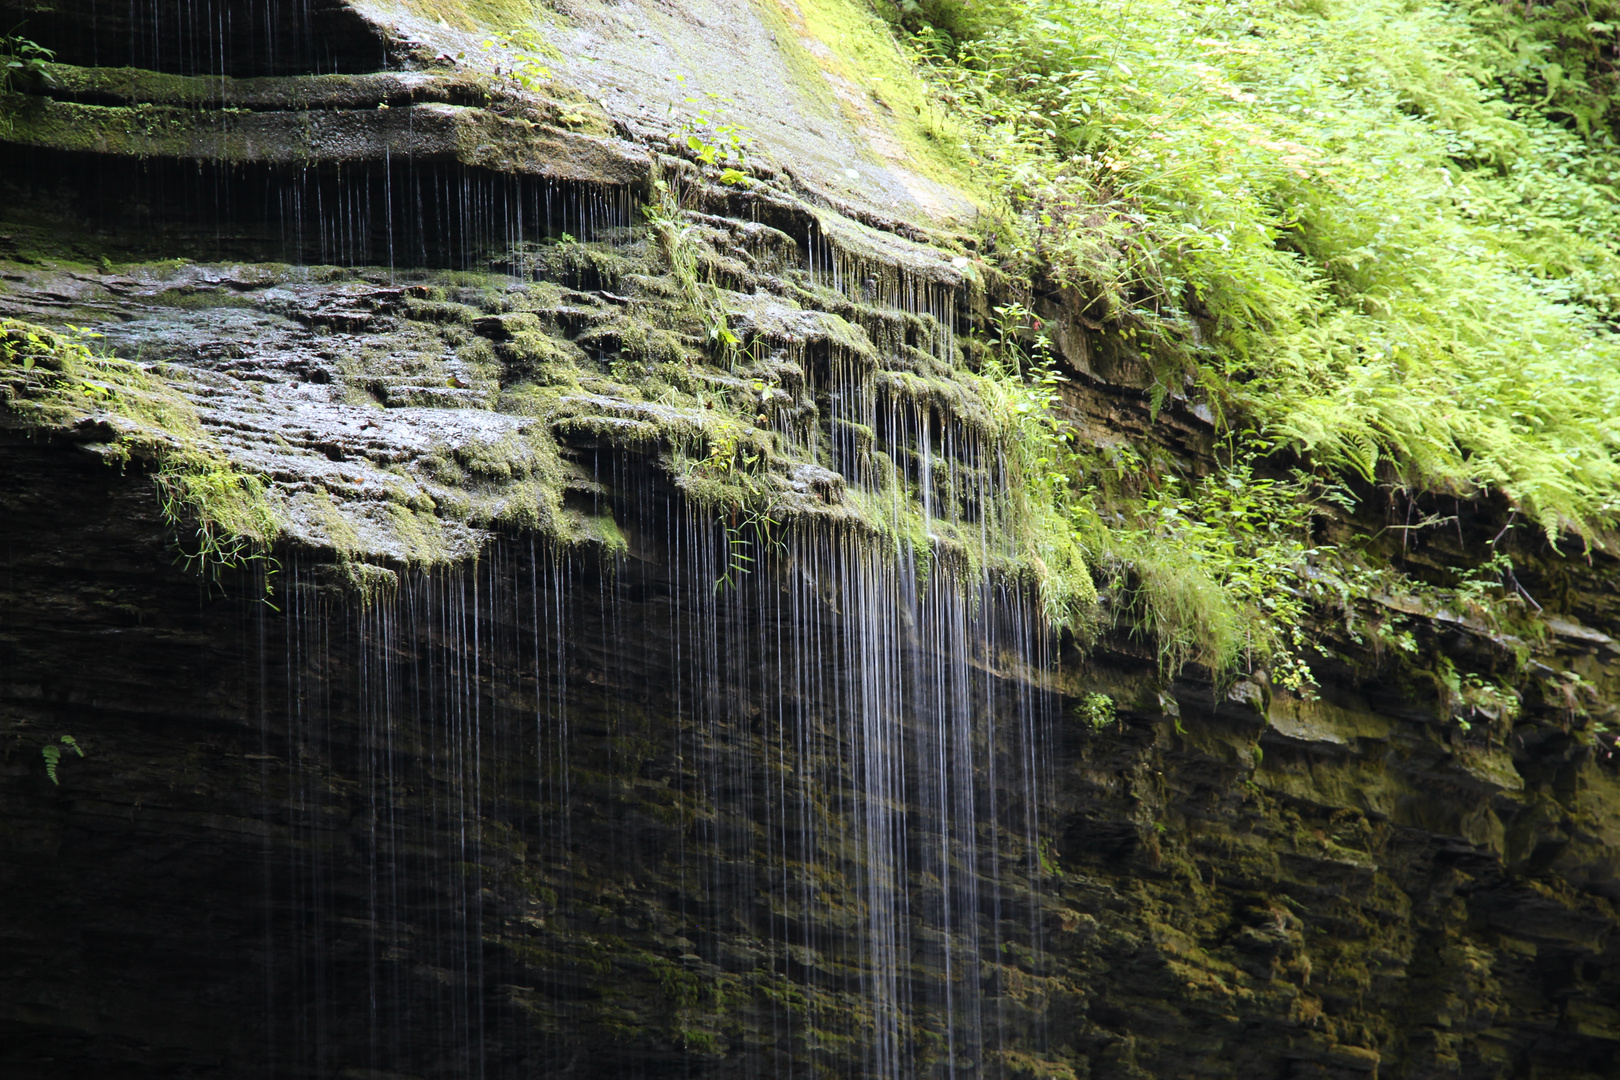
(53, 755)
(1365, 230)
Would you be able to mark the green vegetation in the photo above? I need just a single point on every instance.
(726, 389)
(675, 238)
(1222, 571)
(713, 141)
(1331, 217)
(1562, 52)
(832, 44)
(23, 61)
(1375, 238)
(1217, 571)
(53, 754)
(1019, 390)
(525, 54)
(1376, 241)
(1097, 710)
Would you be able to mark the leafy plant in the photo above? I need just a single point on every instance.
(948, 20)
(53, 754)
(1047, 511)
(1348, 225)
(23, 61)
(520, 60)
(1217, 571)
(1560, 53)
(1097, 710)
(724, 147)
(750, 524)
(222, 517)
(666, 216)
(1469, 697)
(1047, 857)
(748, 528)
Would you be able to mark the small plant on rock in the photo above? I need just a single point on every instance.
(23, 62)
(1097, 710)
(52, 754)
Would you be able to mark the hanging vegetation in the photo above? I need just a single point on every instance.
(1383, 234)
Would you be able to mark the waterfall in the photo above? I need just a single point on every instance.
(787, 825)
(220, 38)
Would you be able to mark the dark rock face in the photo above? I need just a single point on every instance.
(98, 894)
(424, 209)
(557, 816)
(546, 816)
(239, 38)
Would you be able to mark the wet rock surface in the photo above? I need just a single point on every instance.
(232, 37)
(1336, 889)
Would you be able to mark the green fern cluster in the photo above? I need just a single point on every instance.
(1566, 53)
(1357, 226)
(53, 755)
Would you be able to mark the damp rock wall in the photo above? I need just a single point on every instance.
(531, 748)
(551, 816)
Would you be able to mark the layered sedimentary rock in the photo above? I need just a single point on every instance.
(530, 749)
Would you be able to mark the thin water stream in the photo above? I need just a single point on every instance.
(787, 827)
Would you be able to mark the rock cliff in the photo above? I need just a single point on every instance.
(646, 667)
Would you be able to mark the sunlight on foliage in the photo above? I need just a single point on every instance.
(1220, 572)
(1371, 229)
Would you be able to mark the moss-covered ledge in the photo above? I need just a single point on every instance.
(472, 136)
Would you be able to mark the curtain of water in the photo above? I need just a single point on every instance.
(434, 214)
(237, 38)
(571, 812)
(797, 818)
(875, 283)
(390, 212)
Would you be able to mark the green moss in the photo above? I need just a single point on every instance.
(195, 299)
(499, 461)
(474, 15)
(846, 59)
(534, 353)
(740, 426)
(439, 310)
(135, 84)
(55, 382)
(124, 130)
(590, 265)
(420, 533)
(366, 580)
(654, 345)
(138, 86)
(617, 430)
(340, 534)
(531, 507)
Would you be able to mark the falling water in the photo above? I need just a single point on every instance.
(876, 283)
(392, 212)
(224, 38)
(433, 214)
(796, 814)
